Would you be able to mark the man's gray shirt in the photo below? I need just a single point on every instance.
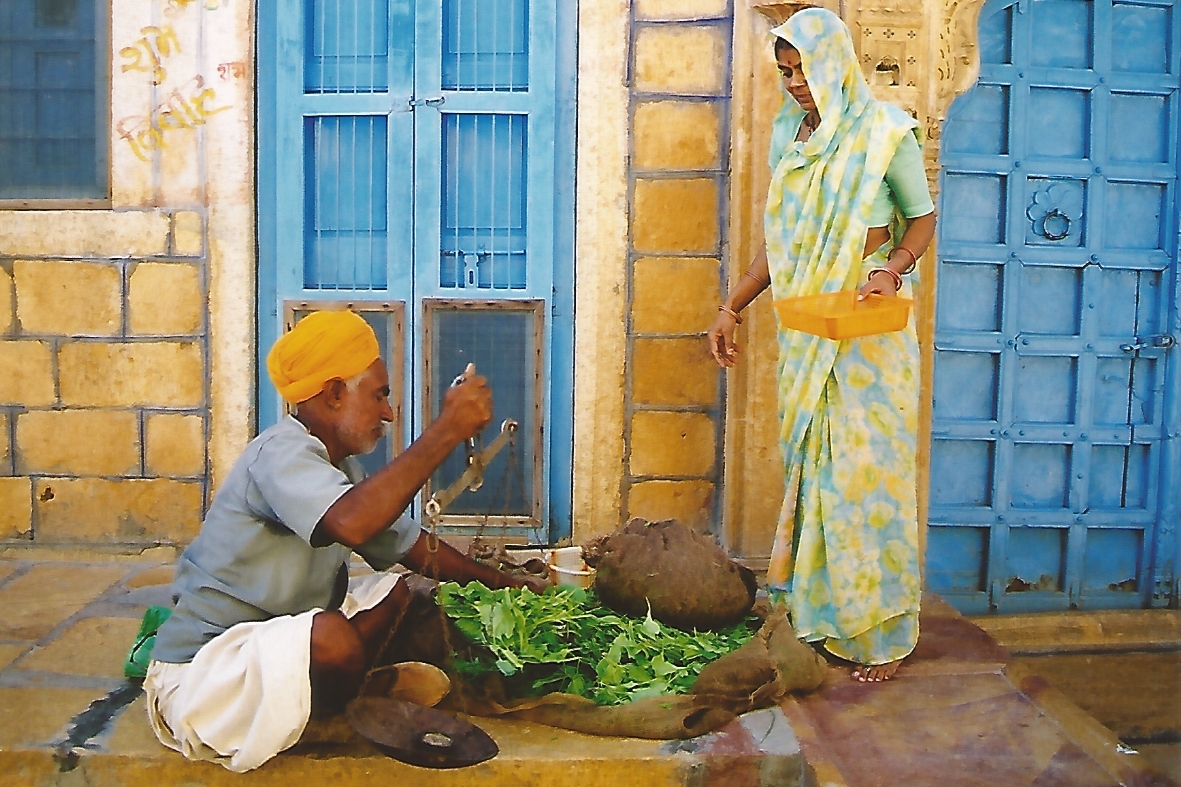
(253, 559)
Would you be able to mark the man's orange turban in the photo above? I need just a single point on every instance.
(322, 346)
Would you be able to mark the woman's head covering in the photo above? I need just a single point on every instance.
(323, 346)
(834, 77)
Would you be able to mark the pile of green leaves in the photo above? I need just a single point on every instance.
(565, 640)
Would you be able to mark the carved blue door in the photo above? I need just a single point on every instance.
(1054, 459)
(410, 159)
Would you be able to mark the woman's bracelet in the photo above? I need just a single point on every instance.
(893, 275)
(913, 259)
(724, 308)
(761, 282)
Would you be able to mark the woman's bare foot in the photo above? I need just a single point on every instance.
(875, 673)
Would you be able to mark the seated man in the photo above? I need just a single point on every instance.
(265, 630)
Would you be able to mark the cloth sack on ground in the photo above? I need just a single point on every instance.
(247, 694)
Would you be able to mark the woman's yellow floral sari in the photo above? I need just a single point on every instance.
(846, 548)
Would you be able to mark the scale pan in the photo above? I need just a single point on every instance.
(420, 736)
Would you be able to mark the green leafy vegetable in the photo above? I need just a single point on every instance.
(565, 640)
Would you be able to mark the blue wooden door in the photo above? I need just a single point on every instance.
(1054, 463)
(409, 163)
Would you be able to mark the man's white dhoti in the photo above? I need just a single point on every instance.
(247, 694)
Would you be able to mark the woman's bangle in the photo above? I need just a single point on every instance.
(724, 308)
(761, 282)
(913, 259)
(893, 275)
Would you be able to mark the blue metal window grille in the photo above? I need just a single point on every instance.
(1050, 474)
(485, 45)
(53, 99)
(345, 190)
(350, 46)
(484, 196)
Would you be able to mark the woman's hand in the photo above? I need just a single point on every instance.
(879, 283)
(721, 340)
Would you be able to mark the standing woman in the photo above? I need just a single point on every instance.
(847, 208)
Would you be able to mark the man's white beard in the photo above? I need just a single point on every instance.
(366, 442)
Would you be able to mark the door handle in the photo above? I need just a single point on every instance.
(1161, 341)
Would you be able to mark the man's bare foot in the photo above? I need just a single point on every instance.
(875, 673)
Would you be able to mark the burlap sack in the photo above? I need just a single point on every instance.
(687, 579)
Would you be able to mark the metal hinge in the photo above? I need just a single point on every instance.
(427, 102)
(1161, 341)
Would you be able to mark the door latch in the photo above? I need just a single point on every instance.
(1161, 341)
(427, 102)
(470, 272)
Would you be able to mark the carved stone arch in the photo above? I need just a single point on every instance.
(957, 60)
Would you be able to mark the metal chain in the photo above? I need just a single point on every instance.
(511, 478)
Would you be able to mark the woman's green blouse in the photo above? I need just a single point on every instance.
(905, 186)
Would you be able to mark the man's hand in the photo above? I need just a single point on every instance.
(372, 505)
(467, 407)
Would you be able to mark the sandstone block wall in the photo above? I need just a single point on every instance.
(104, 403)
(679, 90)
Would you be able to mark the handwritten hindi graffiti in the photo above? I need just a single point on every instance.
(235, 69)
(157, 44)
(177, 7)
(185, 108)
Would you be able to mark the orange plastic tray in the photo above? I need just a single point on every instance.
(839, 315)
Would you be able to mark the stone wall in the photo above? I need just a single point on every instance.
(679, 101)
(103, 419)
(653, 87)
(117, 410)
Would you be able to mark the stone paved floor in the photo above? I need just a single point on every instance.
(959, 714)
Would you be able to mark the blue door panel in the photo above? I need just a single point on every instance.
(970, 207)
(1138, 129)
(1059, 120)
(1140, 37)
(979, 122)
(1061, 34)
(961, 473)
(1056, 311)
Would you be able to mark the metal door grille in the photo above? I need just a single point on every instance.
(504, 338)
(346, 203)
(350, 46)
(484, 234)
(486, 45)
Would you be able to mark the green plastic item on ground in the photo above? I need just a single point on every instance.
(140, 654)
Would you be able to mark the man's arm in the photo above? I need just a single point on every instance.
(371, 506)
(449, 564)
